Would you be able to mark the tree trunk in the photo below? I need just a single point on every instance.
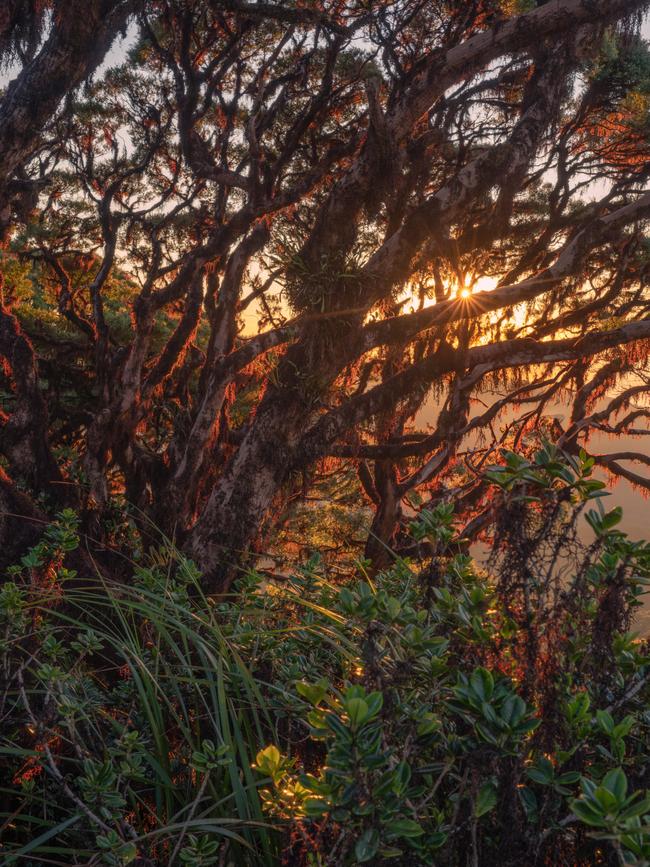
(387, 516)
(229, 525)
(237, 508)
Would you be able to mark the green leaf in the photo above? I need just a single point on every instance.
(482, 683)
(485, 733)
(315, 807)
(540, 776)
(334, 724)
(429, 723)
(375, 702)
(390, 852)
(402, 776)
(616, 782)
(587, 814)
(366, 846)
(393, 606)
(357, 710)
(640, 808)
(404, 828)
(605, 721)
(569, 778)
(486, 800)
(606, 799)
(513, 710)
(268, 760)
(529, 801)
(313, 692)
(611, 519)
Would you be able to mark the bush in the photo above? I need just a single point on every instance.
(440, 712)
(127, 719)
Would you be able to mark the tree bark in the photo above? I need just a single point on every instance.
(386, 518)
(228, 527)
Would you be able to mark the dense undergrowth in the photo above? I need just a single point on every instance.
(441, 712)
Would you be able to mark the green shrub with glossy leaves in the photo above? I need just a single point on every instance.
(444, 711)
(451, 713)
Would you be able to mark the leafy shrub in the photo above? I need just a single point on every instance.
(441, 712)
(446, 714)
(127, 719)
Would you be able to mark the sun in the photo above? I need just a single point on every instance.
(465, 293)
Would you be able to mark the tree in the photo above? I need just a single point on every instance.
(350, 170)
(79, 35)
